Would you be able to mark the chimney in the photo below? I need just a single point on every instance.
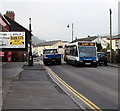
(11, 15)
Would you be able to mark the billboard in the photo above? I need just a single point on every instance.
(12, 39)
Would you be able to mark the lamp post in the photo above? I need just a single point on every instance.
(30, 58)
(72, 30)
(110, 36)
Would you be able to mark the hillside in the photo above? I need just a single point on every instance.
(36, 40)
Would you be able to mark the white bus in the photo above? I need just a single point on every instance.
(81, 53)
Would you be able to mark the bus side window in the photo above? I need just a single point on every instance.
(73, 50)
(76, 52)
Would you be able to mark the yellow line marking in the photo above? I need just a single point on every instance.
(72, 91)
(80, 96)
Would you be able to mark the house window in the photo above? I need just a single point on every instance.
(60, 46)
(116, 44)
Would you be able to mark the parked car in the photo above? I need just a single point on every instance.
(102, 58)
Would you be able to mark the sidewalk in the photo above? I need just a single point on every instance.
(9, 72)
(34, 89)
(114, 65)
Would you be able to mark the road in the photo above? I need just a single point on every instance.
(99, 85)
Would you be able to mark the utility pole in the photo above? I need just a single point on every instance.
(30, 58)
(72, 31)
(110, 36)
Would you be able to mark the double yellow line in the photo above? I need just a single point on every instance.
(77, 94)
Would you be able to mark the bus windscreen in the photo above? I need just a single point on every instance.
(87, 51)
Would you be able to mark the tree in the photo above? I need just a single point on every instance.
(108, 47)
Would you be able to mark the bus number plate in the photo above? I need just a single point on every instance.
(87, 63)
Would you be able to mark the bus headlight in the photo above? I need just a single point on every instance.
(94, 61)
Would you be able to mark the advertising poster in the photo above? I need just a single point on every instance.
(12, 39)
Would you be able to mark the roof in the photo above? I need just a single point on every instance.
(115, 37)
(49, 43)
(94, 37)
(15, 23)
(5, 19)
(4, 23)
(86, 39)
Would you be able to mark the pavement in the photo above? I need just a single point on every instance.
(32, 88)
(0, 85)
(114, 65)
(10, 71)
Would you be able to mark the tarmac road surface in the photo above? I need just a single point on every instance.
(99, 85)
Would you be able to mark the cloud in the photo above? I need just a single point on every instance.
(49, 19)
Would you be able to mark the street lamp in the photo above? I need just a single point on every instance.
(30, 58)
(72, 30)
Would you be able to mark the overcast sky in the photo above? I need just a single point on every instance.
(51, 17)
